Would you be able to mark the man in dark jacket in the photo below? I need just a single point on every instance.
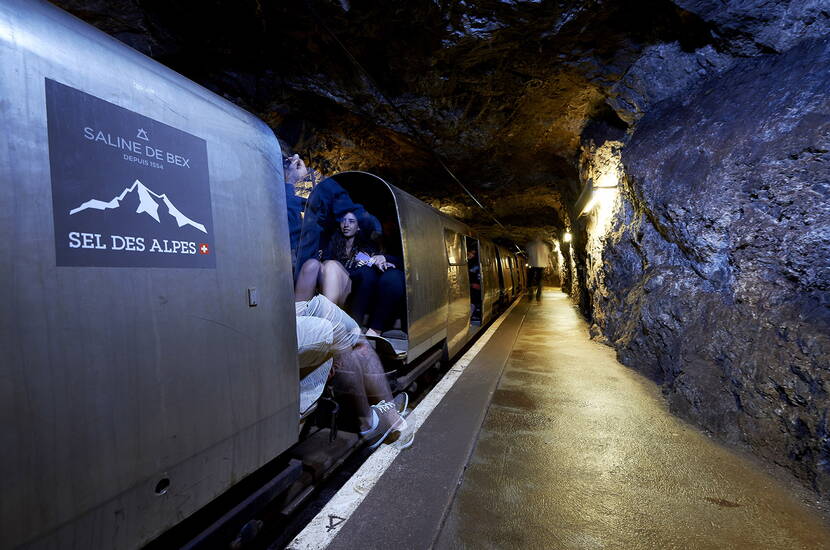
(295, 170)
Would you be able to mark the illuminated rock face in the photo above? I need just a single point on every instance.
(715, 276)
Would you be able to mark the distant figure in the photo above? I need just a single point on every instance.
(537, 257)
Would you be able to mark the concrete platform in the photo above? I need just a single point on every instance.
(576, 451)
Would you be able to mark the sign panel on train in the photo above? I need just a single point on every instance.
(127, 190)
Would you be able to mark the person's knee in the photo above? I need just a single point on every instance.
(392, 276)
(315, 337)
(330, 267)
(311, 264)
(362, 346)
(364, 351)
(310, 268)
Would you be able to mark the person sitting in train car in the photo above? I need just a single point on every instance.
(328, 338)
(381, 293)
(353, 266)
(312, 221)
(320, 217)
(327, 274)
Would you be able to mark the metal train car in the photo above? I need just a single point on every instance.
(148, 346)
(442, 308)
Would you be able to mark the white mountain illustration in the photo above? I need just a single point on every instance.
(146, 204)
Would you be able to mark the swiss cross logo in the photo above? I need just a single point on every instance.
(204, 248)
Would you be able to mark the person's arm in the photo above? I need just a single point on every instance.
(397, 260)
(295, 221)
(313, 224)
(295, 170)
(384, 262)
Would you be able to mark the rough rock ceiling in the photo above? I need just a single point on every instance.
(503, 91)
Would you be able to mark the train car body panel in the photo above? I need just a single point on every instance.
(426, 273)
(506, 275)
(511, 268)
(521, 263)
(137, 382)
(489, 280)
(458, 284)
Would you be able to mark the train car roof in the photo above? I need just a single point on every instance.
(397, 190)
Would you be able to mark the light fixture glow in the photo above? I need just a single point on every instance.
(590, 204)
(566, 237)
(608, 180)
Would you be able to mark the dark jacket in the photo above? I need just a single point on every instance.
(294, 205)
(327, 199)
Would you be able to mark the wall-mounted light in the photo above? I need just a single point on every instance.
(592, 201)
(567, 237)
(607, 181)
(593, 192)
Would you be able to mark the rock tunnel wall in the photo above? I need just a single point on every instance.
(708, 267)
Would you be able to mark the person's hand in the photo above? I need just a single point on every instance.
(295, 171)
(380, 262)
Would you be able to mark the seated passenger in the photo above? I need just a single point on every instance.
(353, 267)
(319, 218)
(325, 332)
(379, 293)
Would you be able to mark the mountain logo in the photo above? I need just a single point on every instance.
(146, 204)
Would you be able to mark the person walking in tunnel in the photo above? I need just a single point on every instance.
(538, 254)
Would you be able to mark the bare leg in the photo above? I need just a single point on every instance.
(307, 280)
(374, 377)
(348, 381)
(359, 376)
(334, 282)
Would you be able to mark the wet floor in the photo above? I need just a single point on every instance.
(578, 451)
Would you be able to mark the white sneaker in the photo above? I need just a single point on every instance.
(387, 425)
(401, 402)
(407, 436)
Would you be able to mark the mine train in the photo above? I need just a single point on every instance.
(148, 336)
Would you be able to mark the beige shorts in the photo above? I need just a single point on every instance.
(338, 333)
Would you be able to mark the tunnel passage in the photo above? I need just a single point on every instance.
(681, 146)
